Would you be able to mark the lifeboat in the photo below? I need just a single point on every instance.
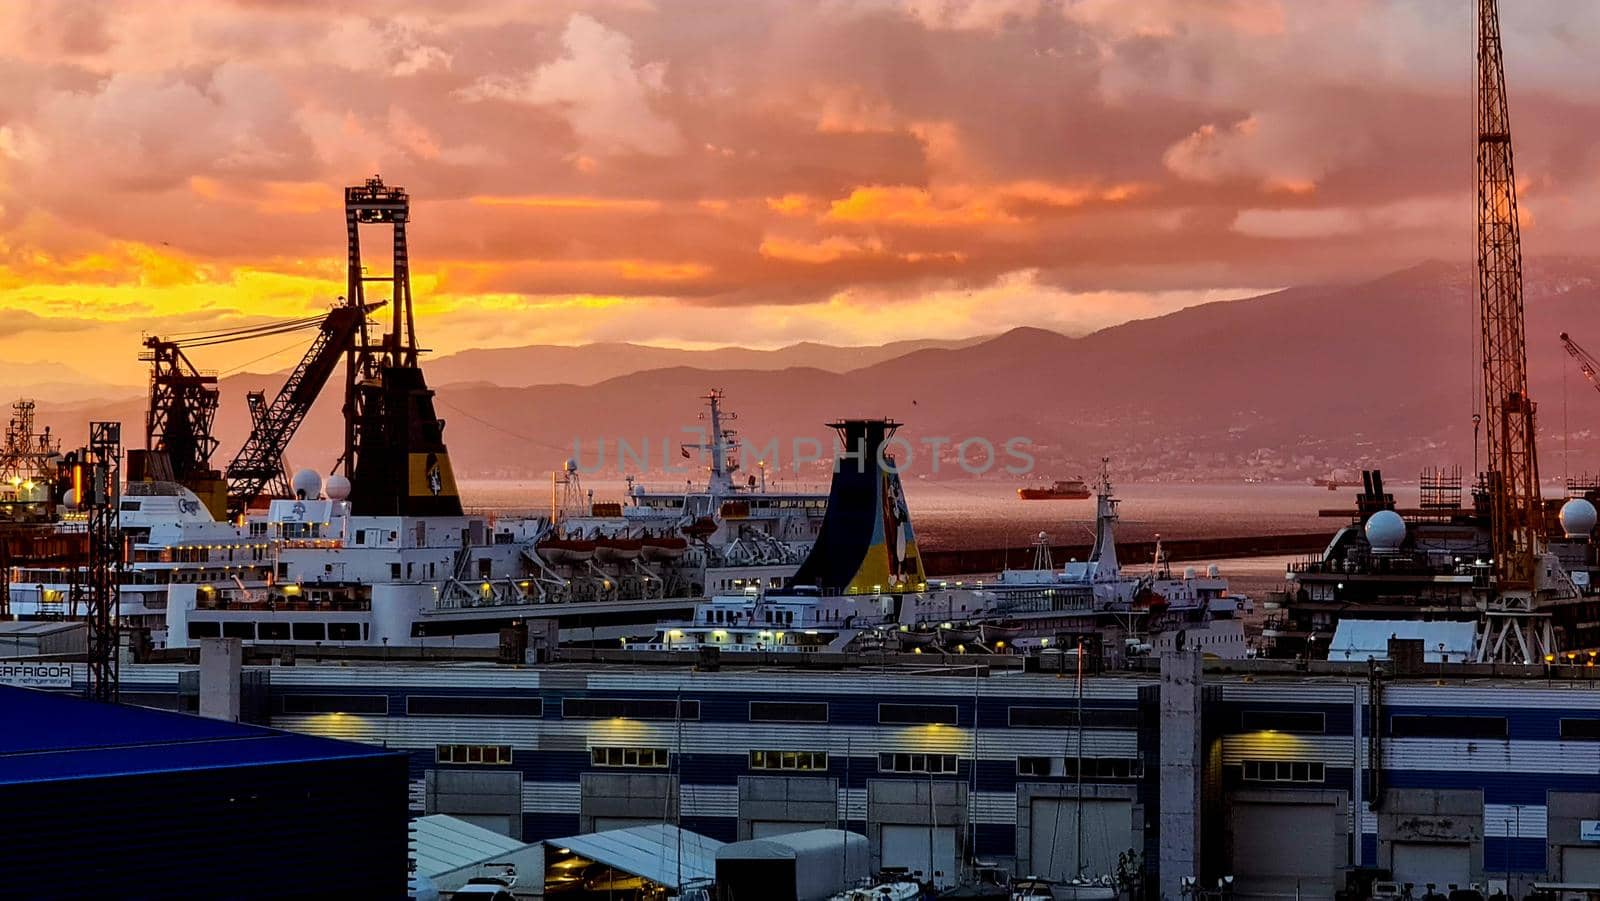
(662, 549)
(617, 550)
(917, 639)
(701, 528)
(997, 632)
(960, 633)
(567, 551)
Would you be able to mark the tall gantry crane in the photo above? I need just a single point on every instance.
(394, 453)
(178, 420)
(1511, 478)
(1586, 361)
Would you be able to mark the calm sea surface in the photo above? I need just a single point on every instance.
(984, 514)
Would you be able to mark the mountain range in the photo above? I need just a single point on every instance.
(1291, 385)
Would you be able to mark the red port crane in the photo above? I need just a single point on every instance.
(1586, 361)
(1512, 474)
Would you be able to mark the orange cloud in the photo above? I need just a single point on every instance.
(570, 203)
(906, 205)
(270, 197)
(827, 250)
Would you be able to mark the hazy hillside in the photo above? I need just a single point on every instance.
(543, 364)
(1287, 385)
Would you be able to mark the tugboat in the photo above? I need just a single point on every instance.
(1059, 490)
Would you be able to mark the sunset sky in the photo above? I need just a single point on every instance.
(757, 172)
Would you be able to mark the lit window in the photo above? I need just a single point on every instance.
(487, 755)
(788, 760)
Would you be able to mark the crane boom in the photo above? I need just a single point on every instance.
(1512, 475)
(1586, 361)
(259, 463)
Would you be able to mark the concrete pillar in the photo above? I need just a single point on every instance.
(1181, 770)
(221, 663)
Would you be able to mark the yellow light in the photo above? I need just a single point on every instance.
(916, 650)
(999, 644)
(1549, 658)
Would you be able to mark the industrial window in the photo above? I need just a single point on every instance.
(917, 714)
(1104, 768)
(630, 757)
(1033, 766)
(1302, 722)
(788, 760)
(378, 704)
(245, 631)
(1059, 717)
(273, 631)
(1283, 771)
(487, 755)
(787, 712)
(1580, 729)
(1447, 727)
(344, 631)
(442, 705)
(205, 630)
(916, 763)
(309, 632)
(626, 708)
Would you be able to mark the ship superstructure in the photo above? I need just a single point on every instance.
(1434, 562)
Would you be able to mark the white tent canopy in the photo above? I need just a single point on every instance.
(650, 852)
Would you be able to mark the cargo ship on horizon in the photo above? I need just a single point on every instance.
(1059, 490)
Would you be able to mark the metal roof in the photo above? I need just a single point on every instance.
(443, 844)
(47, 736)
(794, 845)
(40, 627)
(648, 851)
(1363, 639)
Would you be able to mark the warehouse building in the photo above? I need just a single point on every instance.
(1287, 781)
(108, 802)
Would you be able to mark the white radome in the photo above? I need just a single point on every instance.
(70, 499)
(1577, 518)
(337, 488)
(307, 483)
(1385, 530)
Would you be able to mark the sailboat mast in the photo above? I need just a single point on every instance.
(1078, 769)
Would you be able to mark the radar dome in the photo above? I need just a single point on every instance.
(1577, 518)
(337, 488)
(1385, 530)
(70, 499)
(571, 465)
(306, 484)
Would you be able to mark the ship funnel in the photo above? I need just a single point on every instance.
(866, 543)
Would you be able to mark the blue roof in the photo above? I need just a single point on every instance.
(46, 736)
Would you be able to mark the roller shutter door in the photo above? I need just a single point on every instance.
(1580, 865)
(606, 824)
(769, 828)
(908, 846)
(1053, 837)
(1441, 864)
(1280, 850)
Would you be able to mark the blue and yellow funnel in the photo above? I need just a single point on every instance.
(866, 543)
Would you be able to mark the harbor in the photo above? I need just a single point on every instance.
(1220, 599)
